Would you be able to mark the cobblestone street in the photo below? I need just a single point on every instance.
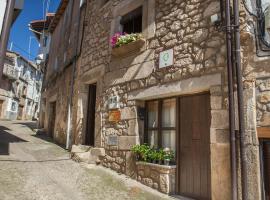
(34, 168)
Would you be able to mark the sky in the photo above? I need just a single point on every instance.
(20, 34)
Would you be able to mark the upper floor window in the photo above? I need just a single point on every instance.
(132, 21)
(45, 41)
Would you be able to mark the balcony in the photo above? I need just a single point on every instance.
(11, 72)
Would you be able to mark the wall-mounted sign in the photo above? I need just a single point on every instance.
(166, 58)
(112, 140)
(113, 102)
(114, 116)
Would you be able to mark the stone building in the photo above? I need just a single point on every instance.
(168, 89)
(64, 31)
(20, 88)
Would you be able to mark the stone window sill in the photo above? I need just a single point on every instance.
(128, 49)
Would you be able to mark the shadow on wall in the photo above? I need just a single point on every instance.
(6, 138)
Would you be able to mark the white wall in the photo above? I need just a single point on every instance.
(3, 4)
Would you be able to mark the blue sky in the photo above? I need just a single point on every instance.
(20, 34)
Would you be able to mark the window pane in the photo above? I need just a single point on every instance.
(168, 140)
(153, 139)
(153, 114)
(168, 113)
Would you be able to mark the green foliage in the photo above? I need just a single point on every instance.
(126, 39)
(169, 155)
(146, 153)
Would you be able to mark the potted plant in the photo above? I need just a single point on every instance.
(168, 157)
(160, 156)
(141, 152)
(153, 156)
(124, 43)
(136, 150)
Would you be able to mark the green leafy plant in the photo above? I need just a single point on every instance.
(161, 155)
(120, 39)
(169, 155)
(141, 151)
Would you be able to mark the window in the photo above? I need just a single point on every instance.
(13, 106)
(132, 22)
(45, 40)
(161, 123)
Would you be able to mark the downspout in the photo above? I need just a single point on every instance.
(69, 120)
(239, 75)
(5, 31)
(231, 99)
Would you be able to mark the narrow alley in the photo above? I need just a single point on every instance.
(34, 168)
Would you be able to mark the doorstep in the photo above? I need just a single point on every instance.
(86, 154)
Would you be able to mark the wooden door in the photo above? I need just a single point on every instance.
(1, 106)
(265, 168)
(91, 111)
(52, 118)
(20, 112)
(193, 154)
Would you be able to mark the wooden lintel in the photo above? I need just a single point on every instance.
(263, 132)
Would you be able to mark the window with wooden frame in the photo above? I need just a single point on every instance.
(160, 124)
(132, 21)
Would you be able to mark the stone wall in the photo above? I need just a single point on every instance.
(263, 102)
(159, 177)
(58, 90)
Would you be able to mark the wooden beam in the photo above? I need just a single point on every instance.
(263, 132)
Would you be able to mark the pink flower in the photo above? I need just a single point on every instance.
(115, 38)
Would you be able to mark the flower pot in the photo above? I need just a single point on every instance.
(155, 161)
(167, 162)
(160, 162)
(128, 48)
(138, 157)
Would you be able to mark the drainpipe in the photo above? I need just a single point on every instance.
(5, 31)
(231, 100)
(239, 75)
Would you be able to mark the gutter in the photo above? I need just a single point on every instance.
(240, 98)
(234, 68)
(231, 99)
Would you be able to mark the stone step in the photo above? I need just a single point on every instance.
(87, 154)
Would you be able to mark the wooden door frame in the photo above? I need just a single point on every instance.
(178, 146)
(87, 114)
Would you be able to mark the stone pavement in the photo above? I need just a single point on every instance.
(34, 168)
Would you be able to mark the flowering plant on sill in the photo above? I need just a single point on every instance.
(120, 39)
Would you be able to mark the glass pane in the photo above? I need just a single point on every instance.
(153, 139)
(153, 114)
(168, 113)
(168, 140)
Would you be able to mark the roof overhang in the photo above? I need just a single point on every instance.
(17, 9)
(60, 11)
